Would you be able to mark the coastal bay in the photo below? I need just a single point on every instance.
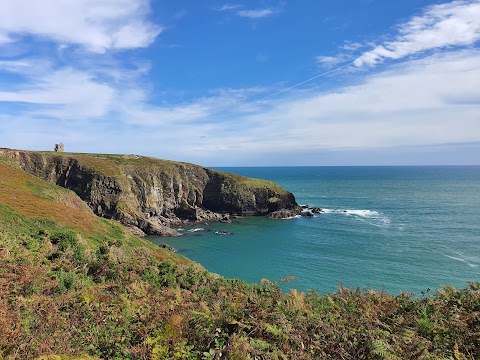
(395, 228)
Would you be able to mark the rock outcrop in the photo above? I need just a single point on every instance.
(151, 195)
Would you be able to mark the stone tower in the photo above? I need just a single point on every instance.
(59, 147)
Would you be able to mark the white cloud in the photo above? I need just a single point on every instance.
(418, 103)
(61, 93)
(351, 46)
(255, 13)
(452, 24)
(5, 39)
(97, 25)
(240, 10)
(203, 110)
(330, 61)
(229, 7)
(103, 107)
(421, 103)
(95, 94)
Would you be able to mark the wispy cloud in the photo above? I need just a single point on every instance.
(440, 26)
(60, 93)
(240, 10)
(406, 106)
(255, 13)
(330, 61)
(97, 26)
(106, 105)
(229, 7)
(351, 46)
(196, 113)
(103, 92)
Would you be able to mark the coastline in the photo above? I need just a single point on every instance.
(383, 230)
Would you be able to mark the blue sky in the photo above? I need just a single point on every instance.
(346, 82)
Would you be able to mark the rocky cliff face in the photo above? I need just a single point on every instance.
(152, 195)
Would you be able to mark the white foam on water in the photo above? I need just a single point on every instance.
(292, 217)
(376, 218)
(196, 229)
(462, 260)
(362, 213)
(327, 211)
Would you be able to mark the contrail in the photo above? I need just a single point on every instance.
(305, 81)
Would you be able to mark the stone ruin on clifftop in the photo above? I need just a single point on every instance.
(59, 147)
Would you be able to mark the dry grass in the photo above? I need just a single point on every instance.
(20, 191)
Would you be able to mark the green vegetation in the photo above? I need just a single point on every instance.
(147, 193)
(113, 164)
(74, 286)
(247, 183)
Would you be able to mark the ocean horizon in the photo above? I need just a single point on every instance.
(393, 228)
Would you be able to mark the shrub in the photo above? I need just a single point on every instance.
(64, 239)
(167, 273)
(66, 281)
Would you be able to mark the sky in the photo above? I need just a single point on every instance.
(244, 83)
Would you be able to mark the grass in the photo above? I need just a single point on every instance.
(252, 183)
(73, 286)
(32, 197)
(114, 164)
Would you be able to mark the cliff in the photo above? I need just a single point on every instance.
(151, 195)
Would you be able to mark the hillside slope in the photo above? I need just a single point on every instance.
(76, 286)
(150, 194)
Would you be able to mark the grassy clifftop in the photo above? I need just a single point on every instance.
(76, 286)
(115, 164)
(153, 195)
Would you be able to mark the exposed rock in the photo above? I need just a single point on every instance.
(136, 231)
(154, 195)
(226, 219)
(306, 213)
(168, 247)
(152, 228)
(285, 213)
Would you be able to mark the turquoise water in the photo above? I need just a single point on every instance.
(404, 229)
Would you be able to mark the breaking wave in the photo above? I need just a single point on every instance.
(373, 217)
(196, 230)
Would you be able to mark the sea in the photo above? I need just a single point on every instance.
(398, 229)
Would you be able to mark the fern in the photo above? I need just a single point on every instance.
(383, 350)
(456, 352)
